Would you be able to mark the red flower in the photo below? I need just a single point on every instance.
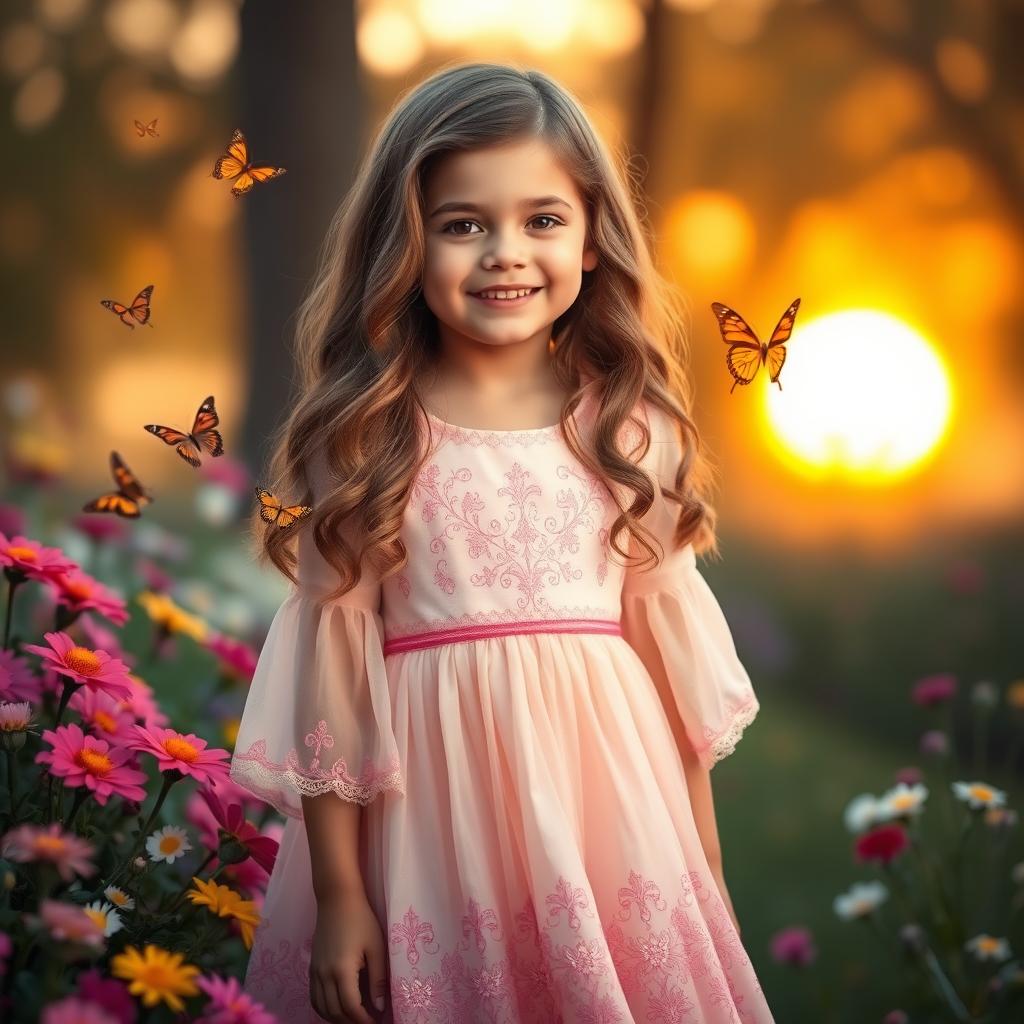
(231, 818)
(883, 844)
(933, 690)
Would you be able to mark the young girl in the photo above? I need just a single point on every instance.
(490, 703)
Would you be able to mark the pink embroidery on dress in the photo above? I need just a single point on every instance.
(669, 967)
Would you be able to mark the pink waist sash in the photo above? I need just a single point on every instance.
(461, 634)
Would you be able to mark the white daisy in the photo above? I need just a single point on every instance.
(979, 794)
(119, 898)
(861, 813)
(861, 899)
(902, 801)
(103, 913)
(986, 947)
(168, 843)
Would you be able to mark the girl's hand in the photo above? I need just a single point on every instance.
(347, 938)
(716, 870)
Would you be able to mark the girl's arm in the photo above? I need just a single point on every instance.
(332, 828)
(698, 782)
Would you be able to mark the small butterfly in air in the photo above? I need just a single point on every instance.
(746, 352)
(147, 129)
(137, 311)
(272, 511)
(128, 499)
(235, 165)
(203, 435)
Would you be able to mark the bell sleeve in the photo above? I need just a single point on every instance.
(317, 718)
(671, 618)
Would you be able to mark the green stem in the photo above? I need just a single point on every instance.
(13, 585)
(69, 688)
(169, 779)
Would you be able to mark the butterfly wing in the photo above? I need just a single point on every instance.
(744, 356)
(119, 504)
(203, 433)
(151, 127)
(234, 162)
(776, 353)
(120, 309)
(271, 509)
(291, 513)
(128, 484)
(139, 309)
(140, 128)
(184, 445)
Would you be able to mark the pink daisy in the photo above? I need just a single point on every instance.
(185, 753)
(17, 681)
(104, 714)
(935, 689)
(71, 923)
(79, 592)
(229, 1004)
(236, 657)
(109, 994)
(83, 665)
(72, 1010)
(99, 527)
(15, 716)
(142, 702)
(68, 852)
(231, 817)
(30, 558)
(97, 635)
(83, 760)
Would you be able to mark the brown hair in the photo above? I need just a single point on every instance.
(365, 335)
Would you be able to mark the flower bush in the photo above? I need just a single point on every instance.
(107, 914)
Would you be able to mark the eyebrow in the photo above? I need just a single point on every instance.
(458, 205)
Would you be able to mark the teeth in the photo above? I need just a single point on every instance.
(505, 295)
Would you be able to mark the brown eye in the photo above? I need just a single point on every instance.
(452, 223)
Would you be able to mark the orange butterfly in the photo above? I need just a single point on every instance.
(128, 499)
(137, 311)
(747, 353)
(203, 435)
(272, 511)
(235, 165)
(147, 129)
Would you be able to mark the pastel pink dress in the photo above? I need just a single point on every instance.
(505, 707)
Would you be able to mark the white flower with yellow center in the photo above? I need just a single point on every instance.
(979, 794)
(861, 813)
(902, 801)
(168, 843)
(861, 899)
(987, 947)
(105, 915)
(119, 898)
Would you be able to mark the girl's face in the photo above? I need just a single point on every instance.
(484, 230)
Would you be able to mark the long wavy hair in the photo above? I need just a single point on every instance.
(364, 334)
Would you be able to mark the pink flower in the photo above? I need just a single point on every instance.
(104, 714)
(142, 702)
(883, 844)
(79, 592)
(32, 559)
(228, 472)
(71, 923)
(934, 741)
(17, 681)
(229, 1004)
(12, 520)
(15, 716)
(933, 690)
(97, 635)
(231, 818)
(185, 753)
(236, 657)
(98, 526)
(154, 577)
(109, 994)
(88, 761)
(794, 946)
(910, 775)
(70, 853)
(72, 1010)
(91, 668)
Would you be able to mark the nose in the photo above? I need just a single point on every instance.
(505, 251)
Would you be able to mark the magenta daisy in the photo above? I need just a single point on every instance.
(29, 557)
(237, 658)
(229, 1004)
(105, 715)
(109, 994)
(185, 753)
(98, 635)
(17, 681)
(72, 1010)
(79, 592)
(82, 665)
(142, 702)
(83, 760)
(68, 852)
(71, 923)
(99, 527)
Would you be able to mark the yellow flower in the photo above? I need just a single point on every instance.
(1015, 694)
(156, 974)
(223, 901)
(164, 612)
(229, 730)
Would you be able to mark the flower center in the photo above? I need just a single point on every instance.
(93, 761)
(169, 844)
(105, 721)
(50, 846)
(81, 659)
(181, 749)
(78, 589)
(982, 792)
(25, 554)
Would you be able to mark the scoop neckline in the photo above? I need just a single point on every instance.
(514, 430)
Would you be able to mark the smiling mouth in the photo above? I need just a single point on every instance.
(509, 301)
